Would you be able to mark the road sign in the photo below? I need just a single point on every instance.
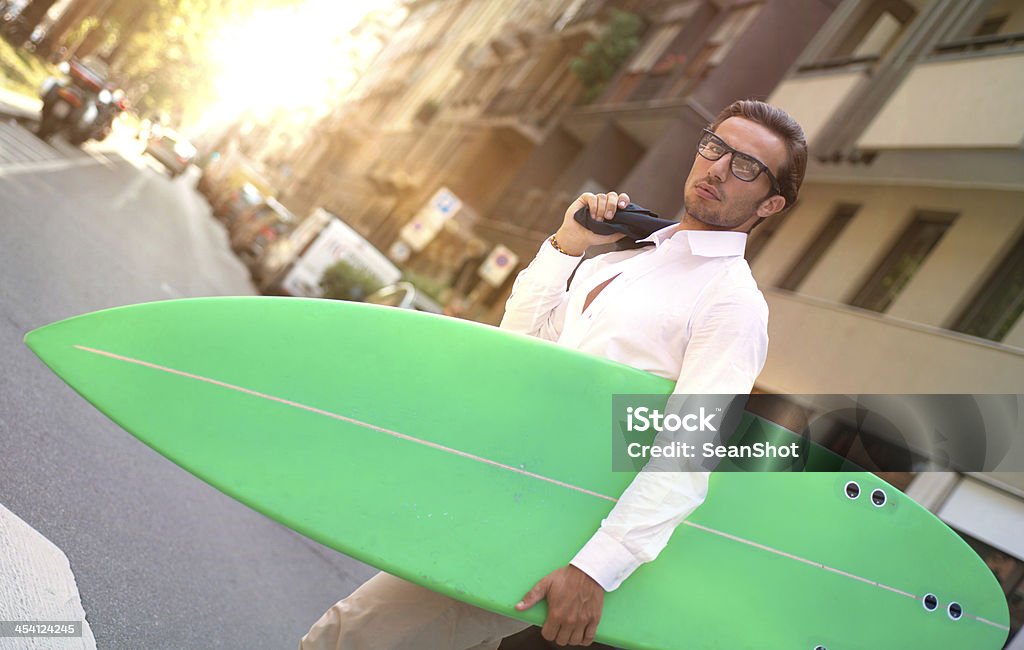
(498, 265)
(428, 222)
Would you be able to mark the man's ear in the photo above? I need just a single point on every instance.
(771, 205)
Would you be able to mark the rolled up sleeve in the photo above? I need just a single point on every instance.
(539, 296)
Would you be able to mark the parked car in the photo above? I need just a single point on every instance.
(231, 184)
(404, 296)
(254, 232)
(171, 150)
(239, 204)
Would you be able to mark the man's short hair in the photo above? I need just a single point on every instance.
(779, 122)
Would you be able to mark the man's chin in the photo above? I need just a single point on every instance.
(700, 214)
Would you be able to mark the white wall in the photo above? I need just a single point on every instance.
(812, 100)
(822, 347)
(973, 103)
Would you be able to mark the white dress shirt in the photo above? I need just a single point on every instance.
(686, 309)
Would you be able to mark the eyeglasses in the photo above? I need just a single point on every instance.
(743, 166)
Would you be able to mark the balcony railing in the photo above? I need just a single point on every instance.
(840, 63)
(979, 43)
(652, 86)
(510, 102)
(536, 106)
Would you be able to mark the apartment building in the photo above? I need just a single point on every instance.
(901, 269)
(640, 134)
(479, 98)
(355, 161)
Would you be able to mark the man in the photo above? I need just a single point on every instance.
(686, 308)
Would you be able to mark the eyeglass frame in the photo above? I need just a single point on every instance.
(729, 150)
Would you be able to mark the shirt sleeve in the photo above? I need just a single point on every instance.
(727, 347)
(539, 296)
(726, 350)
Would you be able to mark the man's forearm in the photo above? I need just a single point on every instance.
(640, 524)
(536, 306)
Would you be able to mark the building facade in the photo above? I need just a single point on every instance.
(901, 269)
(497, 113)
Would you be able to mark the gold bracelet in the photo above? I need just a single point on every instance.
(554, 242)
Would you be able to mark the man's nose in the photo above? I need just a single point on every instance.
(720, 168)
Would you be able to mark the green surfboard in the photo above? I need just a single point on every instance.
(473, 462)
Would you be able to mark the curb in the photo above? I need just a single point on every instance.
(23, 117)
(37, 584)
(10, 108)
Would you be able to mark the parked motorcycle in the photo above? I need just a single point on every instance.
(110, 104)
(79, 107)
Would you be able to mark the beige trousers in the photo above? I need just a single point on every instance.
(388, 613)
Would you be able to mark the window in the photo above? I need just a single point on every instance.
(714, 50)
(1000, 303)
(654, 48)
(906, 257)
(646, 75)
(886, 28)
(895, 463)
(986, 27)
(729, 31)
(868, 35)
(991, 26)
(892, 462)
(1001, 18)
(840, 217)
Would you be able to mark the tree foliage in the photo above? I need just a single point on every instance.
(601, 58)
(163, 49)
(344, 281)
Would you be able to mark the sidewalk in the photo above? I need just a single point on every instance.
(18, 106)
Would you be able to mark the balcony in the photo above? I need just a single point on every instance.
(981, 106)
(990, 44)
(819, 346)
(813, 99)
(510, 102)
(532, 110)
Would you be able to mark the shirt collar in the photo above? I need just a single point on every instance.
(706, 243)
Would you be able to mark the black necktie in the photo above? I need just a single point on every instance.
(635, 221)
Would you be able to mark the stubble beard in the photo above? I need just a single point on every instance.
(720, 216)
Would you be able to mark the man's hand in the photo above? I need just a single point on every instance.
(574, 238)
(574, 605)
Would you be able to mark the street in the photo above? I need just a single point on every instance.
(160, 558)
